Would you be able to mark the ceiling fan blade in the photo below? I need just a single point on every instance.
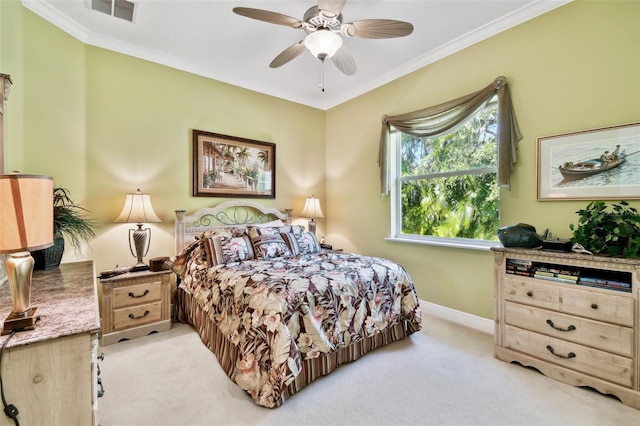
(267, 16)
(288, 54)
(333, 6)
(344, 61)
(377, 28)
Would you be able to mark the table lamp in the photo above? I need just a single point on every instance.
(26, 223)
(312, 210)
(138, 209)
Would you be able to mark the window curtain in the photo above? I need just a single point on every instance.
(438, 119)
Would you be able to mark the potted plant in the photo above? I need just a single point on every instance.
(610, 230)
(70, 221)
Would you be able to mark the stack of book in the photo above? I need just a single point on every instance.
(520, 267)
(560, 275)
(568, 275)
(543, 271)
(605, 283)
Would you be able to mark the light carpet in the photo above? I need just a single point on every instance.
(444, 375)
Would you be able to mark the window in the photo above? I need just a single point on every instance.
(445, 187)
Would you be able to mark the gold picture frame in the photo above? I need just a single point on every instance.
(595, 164)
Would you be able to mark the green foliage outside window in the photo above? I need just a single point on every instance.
(448, 183)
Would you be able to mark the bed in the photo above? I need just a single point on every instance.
(277, 310)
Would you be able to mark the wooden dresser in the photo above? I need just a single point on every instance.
(574, 317)
(135, 304)
(49, 373)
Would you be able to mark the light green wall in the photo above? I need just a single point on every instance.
(104, 124)
(571, 69)
(140, 117)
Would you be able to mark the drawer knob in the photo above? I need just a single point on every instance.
(530, 293)
(594, 306)
(570, 328)
(569, 355)
(139, 295)
(141, 316)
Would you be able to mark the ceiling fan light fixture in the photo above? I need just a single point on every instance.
(323, 43)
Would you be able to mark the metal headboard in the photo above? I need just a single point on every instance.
(229, 213)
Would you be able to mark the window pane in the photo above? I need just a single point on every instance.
(454, 207)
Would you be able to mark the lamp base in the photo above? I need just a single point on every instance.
(139, 267)
(23, 321)
(312, 226)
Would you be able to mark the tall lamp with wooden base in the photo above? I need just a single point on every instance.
(138, 209)
(26, 224)
(312, 210)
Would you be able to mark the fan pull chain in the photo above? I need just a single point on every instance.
(322, 75)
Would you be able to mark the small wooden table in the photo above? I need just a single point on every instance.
(135, 304)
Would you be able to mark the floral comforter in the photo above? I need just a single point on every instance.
(281, 312)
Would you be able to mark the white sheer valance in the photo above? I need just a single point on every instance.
(438, 119)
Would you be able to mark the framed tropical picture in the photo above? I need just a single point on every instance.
(229, 166)
(591, 164)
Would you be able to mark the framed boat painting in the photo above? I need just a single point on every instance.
(593, 164)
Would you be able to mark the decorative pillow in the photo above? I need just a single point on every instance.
(223, 245)
(235, 249)
(305, 242)
(291, 242)
(308, 243)
(268, 243)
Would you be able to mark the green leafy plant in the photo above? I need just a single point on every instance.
(70, 220)
(610, 230)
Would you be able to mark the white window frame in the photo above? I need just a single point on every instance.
(396, 209)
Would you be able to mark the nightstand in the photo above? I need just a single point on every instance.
(135, 304)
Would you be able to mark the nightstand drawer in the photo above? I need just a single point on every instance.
(594, 362)
(136, 315)
(600, 335)
(137, 294)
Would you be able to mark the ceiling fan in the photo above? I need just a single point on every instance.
(323, 25)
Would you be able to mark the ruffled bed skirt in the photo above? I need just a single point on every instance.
(188, 311)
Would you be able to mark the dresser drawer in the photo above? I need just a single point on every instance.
(532, 293)
(597, 363)
(137, 294)
(598, 305)
(600, 335)
(136, 315)
(602, 306)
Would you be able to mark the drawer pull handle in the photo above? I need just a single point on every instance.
(570, 328)
(594, 306)
(569, 355)
(530, 293)
(140, 295)
(141, 316)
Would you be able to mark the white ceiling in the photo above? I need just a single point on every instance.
(205, 37)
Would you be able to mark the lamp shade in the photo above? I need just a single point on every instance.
(323, 43)
(312, 208)
(26, 212)
(137, 209)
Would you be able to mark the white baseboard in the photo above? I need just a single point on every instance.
(468, 320)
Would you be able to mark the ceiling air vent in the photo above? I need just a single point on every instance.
(119, 8)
